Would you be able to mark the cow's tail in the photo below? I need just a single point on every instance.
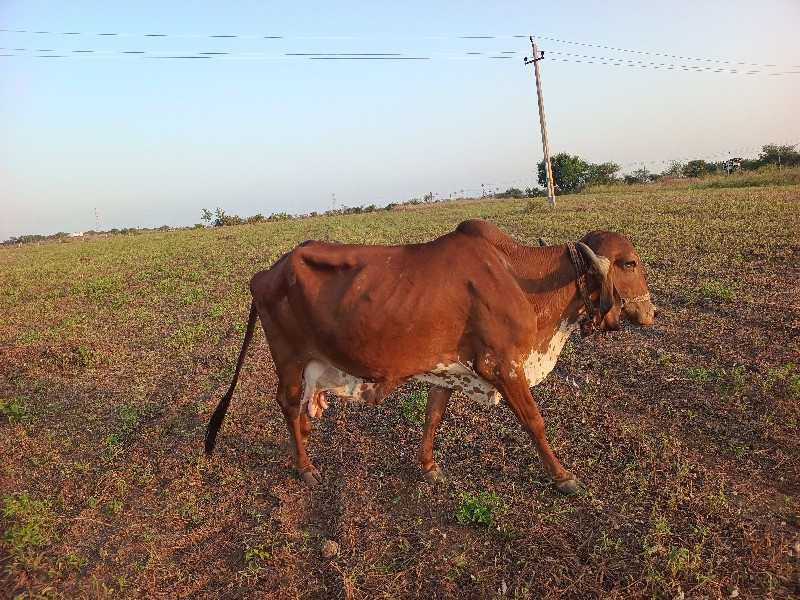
(219, 414)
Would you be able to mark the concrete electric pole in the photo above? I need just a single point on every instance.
(551, 194)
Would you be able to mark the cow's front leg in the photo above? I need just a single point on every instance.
(434, 411)
(288, 397)
(513, 385)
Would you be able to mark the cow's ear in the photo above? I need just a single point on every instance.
(606, 293)
(610, 308)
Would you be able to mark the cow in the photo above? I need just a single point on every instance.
(472, 311)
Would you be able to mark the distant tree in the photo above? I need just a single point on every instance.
(257, 218)
(512, 193)
(206, 216)
(641, 176)
(781, 156)
(534, 192)
(570, 173)
(674, 169)
(600, 174)
(221, 219)
(698, 168)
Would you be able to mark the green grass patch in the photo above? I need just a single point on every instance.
(28, 525)
(412, 407)
(479, 509)
(15, 410)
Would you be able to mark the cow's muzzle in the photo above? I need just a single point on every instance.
(639, 311)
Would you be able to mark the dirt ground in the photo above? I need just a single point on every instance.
(114, 353)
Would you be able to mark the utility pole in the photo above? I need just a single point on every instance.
(551, 194)
(96, 221)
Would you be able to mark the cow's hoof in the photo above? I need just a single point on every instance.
(570, 486)
(434, 475)
(311, 477)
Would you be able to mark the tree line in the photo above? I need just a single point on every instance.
(571, 173)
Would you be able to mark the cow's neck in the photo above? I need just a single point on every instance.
(548, 278)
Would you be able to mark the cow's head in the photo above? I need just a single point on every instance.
(617, 268)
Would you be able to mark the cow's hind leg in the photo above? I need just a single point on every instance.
(438, 398)
(299, 426)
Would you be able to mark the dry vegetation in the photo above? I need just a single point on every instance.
(115, 351)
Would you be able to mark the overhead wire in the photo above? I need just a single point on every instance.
(723, 66)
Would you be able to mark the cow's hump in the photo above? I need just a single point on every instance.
(490, 232)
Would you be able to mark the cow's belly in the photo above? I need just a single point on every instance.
(463, 379)
(321, 377)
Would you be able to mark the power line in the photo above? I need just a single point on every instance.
(266, 37)
(712, 155)
(53, 53)
(506, 54)
(729, 63)
(617, 62)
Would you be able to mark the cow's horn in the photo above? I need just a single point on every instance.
(542, 242)
(600, 264)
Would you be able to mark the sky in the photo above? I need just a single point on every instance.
(133, 134)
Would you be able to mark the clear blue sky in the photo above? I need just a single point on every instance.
(150, 141)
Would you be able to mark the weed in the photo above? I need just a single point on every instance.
(188, 510)
(738, 449)
(186, 337)
(701, 374)
(114, 506)
(607, 544)
(14, 410)
(191, 297)
(479, 509)
(99, 289)
(29, 337)
(412, 408)
(458, 569)
(558, 509)
(712, 291)
(128, 417)
(83, 357)
(66, 565)
(29, 525)
(717, 292)
(254, 557)
(786, 379)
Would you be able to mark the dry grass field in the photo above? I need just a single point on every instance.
(114, 351)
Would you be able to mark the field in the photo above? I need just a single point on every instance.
(114, 351)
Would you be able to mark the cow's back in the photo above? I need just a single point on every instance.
(372, 306)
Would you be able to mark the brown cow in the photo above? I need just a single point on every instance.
(472, 311)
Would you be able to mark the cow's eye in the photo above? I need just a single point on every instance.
(631, 264)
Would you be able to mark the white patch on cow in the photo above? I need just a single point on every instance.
(537, 366)
(320, 378)
(459, 377)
